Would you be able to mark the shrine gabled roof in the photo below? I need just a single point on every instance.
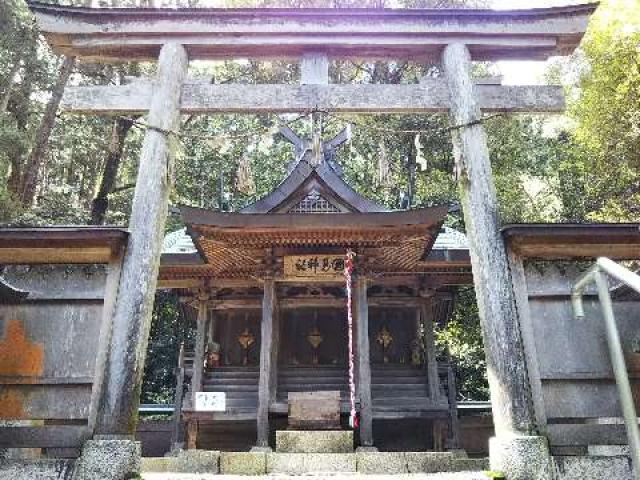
(233, 245)
(289, 223)
(303, 180)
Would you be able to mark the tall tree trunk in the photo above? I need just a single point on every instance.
(30, 176)
(8, 87)
(100, 203)
(19, 106)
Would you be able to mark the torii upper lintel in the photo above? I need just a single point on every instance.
(126, 34)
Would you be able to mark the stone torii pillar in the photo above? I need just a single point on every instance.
(516, 449)
(112, 453)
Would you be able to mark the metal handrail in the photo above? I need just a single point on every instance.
(596, 275)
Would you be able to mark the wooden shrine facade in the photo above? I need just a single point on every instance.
(269, 288)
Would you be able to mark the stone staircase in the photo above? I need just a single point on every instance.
(346, 476)
(317, 453)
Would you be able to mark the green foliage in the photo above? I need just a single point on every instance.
(607, 112)
(463, 338)
(169, 329)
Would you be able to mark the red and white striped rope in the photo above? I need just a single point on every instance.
(348, 272)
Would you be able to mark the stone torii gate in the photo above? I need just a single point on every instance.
(454, 38)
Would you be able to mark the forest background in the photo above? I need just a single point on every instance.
(61, 169)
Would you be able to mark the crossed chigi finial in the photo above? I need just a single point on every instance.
(314, 150)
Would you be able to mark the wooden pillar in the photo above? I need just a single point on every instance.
(211, 331)
(364, 362)
(114, 269)
(275, 350)
(453, 440)
(198, 354)
(192, 434)
(425, 311)
(118, 412)
(506, 369)
(266, 343)
(177, 401)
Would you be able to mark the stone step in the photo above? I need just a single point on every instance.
(261, 463)
(305, 463)
(41, 469)
(318, 441)
(347, 476)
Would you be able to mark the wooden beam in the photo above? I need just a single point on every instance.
(120, 399)
(571, 241)
(506, 366)
(432, 96)
(266, 343)
(363, 362)
(60, 245)
(137, 34)
(50, 436)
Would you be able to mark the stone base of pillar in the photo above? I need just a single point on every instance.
(108, 460)
(366, 449)
(521, 457)
(258, 449)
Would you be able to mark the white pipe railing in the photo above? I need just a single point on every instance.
(596, 274)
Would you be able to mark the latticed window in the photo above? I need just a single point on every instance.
(314, 203)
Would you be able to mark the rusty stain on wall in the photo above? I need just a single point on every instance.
(12, 404)
(19, 356)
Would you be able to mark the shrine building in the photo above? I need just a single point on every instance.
(271, 311)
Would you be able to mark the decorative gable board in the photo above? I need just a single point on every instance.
(314, 202)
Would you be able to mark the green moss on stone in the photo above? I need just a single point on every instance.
(243, 463)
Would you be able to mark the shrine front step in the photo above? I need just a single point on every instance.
(314, 441)
(306, 463)
(263, 463)
(380, 463)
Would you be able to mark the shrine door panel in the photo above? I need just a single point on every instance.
(238, 333)
(393, 333)
(313, 336)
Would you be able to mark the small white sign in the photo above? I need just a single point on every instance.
(211, 401)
